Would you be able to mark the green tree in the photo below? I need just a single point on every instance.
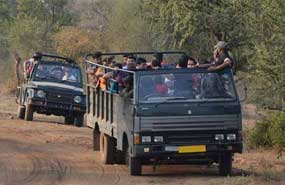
(35, 23)
(75, 42)
(267, 63)
(196, 25)
(6, 17)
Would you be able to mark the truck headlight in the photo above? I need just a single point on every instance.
(41, 94)
(219, 137)
(158, 139)
(231, 137)
(146, 139)
(77, 99)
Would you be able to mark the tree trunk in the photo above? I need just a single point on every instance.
(17, 66)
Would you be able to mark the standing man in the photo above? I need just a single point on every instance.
(28, 64)
(222, 58)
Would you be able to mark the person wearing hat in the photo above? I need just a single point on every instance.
(222, 58)
(28, 64)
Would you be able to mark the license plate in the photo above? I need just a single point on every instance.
(192, 149)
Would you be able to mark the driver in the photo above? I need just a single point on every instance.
(68, 75)
(57, 73)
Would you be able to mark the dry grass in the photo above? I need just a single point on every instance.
(9, 87)
(8, 104)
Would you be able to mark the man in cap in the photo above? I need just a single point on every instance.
(222, 58)
(28, 64)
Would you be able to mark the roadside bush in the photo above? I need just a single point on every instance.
(269, 132)
(10, 86)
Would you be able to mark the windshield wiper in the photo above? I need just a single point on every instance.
(170, 99)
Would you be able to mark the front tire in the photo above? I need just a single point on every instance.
(134, 163)
(29, 113)
(69, 120)
(107, 149)
(78, 121)
(225, 166)
(21, 112)
(135, 166)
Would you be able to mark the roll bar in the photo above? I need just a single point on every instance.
(68, 60)
(137, 53)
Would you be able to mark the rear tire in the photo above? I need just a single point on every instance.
(225, 166)
(107, 148)
(78, 121)
(21, 112)
(29, 112)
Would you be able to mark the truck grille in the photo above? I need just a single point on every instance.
(190, 123)
(59, 97)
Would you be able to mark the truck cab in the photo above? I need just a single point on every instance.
(175, 116)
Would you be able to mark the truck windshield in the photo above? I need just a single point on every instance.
(57, 73)
(186, 87)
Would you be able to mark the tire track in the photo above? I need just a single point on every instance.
(18, 165)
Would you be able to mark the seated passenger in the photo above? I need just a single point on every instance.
(160, 87)
(212, 86)
(124, 63)
(183, 62)
(129, 87)
(115, 79)
(91, 75)
(91, 71)
(102, 83)
(131, 66)
(191, 62)
(166, 65)
(68, 75)
(149, 88)
(56, 73)
(182, 85)
(141, 63)
(127, 60)
(155, 64)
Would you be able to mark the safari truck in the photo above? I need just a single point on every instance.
(174, 116)
(53, 87)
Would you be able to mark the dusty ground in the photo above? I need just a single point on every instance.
(46, 152)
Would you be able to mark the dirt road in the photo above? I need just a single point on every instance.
(50, 153)
(46, 152)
